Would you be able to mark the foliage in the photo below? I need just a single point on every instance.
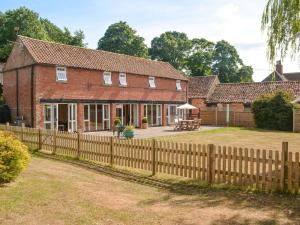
(23, 21)
(228, 65)
(129, 128)
(171, 47)
(117, 121)
(121, 38)
(200, 59)
(274, 111)
(14, 157)
(281, 21)
(145, 120)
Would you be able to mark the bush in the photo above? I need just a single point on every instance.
(274, 111)
(117, 121)
(145, 120)
(14, 157)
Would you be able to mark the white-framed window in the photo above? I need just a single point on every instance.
(152, 82)
(107, 78)
(122, 79)
(61, 73)
(178, 85)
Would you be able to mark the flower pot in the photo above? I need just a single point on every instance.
(144, 125)
(128, 134)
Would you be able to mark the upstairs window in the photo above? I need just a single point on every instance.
(107, 78)
(152, 82)
(178, 85)
(122, 79)
(61, 74)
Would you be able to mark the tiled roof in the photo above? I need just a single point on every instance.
(45, 52)
(292, 76)
(248, 92)
(201, 86)
(278, 77)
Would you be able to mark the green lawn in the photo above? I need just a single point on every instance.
(240, 137)
(53, 192)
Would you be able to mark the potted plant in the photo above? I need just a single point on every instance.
(117, 123)
(129, 132)
(145, 123)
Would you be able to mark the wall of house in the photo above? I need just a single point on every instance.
(88, 85)
(21, 76)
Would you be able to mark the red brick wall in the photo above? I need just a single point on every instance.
(88, 84)
(10, 93)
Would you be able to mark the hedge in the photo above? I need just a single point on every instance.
(14, 157)
(274, 111)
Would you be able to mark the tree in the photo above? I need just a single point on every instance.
(121, 38)
(200, 59)
(245, 74)
(281, 21)
(171, 47)
(228, 65)
(23, 21)
(274, 111)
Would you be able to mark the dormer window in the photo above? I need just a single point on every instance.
(61, 74)
(107, 78)
(178, 85)
(122, 79)
(152, 82)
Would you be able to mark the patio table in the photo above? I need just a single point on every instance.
(186, 124)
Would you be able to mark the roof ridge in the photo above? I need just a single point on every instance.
(97, 50)
(257, 83)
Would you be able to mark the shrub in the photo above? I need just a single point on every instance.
(129, 128)
(14, 157)
(117, 121)
(145, 120)
(274, 111)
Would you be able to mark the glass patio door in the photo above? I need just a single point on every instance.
(72, 117)
(172, 114)
(50, 116)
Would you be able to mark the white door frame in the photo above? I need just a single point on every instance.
(72, 117)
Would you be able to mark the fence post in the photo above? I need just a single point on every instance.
(111, 143)
(284, 165)
(153, 157)
(294, 120)
(40, 139)
(216, 116)
(22, 131)
(7, 125)
(54, 142)
(210, 163)
(78, 145)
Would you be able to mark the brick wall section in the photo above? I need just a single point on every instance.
(199, 103)
(88, 84)
(164, 114)
(80, 114)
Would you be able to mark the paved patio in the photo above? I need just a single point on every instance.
(155, 131)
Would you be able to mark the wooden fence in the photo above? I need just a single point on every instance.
(296, 120)
(219, 118)
(254, 168)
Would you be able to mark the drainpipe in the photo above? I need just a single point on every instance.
(32, 97)
(17, 91)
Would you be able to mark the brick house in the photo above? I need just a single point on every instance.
(64, 87)
(207, 93)
(279, 75)
(200, 88)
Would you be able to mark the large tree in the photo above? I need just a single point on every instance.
(228, 65)
(24, 21)
(172, 47)
(200, 58)
(281, 19)
(121, 38)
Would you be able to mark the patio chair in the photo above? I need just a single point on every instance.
(197, 123)
(176, 124)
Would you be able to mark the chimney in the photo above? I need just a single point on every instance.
(279, 67)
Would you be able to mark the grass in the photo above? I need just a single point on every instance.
(240, 137)
(54, 192)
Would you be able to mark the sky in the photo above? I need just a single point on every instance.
(236, 21)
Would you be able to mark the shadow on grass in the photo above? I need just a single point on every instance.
(200, 194)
